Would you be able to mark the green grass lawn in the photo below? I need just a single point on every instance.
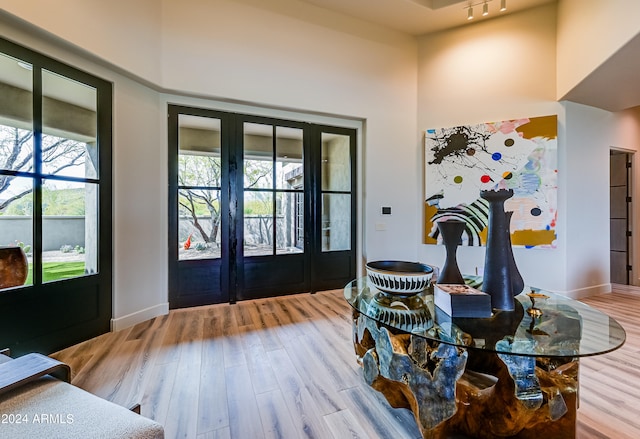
(58, 270)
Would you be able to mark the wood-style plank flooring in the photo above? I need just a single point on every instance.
(285, 368)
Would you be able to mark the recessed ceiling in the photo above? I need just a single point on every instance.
(417, 17)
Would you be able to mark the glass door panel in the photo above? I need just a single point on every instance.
(16, 217)
(289, 190)
(336, 178)
(16, 117)
(199, 207)
(334, 260)
(16, 158)
(69, 154)
(273, 261)
(69, 127)
(199, 187)
(69, 221)
(273, 170)
(258, 153)
(258, 223)
(289, 159)
(336, 222)
(289, 231)
(258, 156)
(336, 162)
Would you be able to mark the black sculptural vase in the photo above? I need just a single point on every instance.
(451, 232)
(517, 282)
(499, 264)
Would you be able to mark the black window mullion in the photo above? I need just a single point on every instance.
(274, 192)
(37, 172)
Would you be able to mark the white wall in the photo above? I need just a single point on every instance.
(140, 219)
(494, 70)
(589, 132)
(589, 32)
(122, 32)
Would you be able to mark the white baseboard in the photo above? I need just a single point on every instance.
(582, 293)
(139, 316)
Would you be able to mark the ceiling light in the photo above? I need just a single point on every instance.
(470, 14)
(485, 9)
(503, 5)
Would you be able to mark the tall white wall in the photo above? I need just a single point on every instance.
(494, 70)
(589, 133)
(122, 32)
(589, 32)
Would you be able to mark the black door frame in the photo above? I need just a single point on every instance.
(185, 288)
(322, 270)
(332, 269)
(46, 317)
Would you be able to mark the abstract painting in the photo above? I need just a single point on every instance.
(519, 154)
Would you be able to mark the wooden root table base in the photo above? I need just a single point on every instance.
(458, 391)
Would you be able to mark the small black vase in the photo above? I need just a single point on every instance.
(451, 231)
(496, 280)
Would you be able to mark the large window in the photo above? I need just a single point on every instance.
(50, 163)
(55, 201)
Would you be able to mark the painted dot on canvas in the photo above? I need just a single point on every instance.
(485, 178)
(509, 142)
(471, 151)
(496, 156)
(536, 211)
(507, 175)
(457, 179)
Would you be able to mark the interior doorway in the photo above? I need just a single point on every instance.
(619, 216)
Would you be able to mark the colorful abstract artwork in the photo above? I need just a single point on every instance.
(512, 154)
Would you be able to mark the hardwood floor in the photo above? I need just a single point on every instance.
(285, 368)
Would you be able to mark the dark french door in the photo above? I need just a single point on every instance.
(55, 201)
(258, 207)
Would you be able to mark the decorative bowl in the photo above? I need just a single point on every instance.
(399, 278)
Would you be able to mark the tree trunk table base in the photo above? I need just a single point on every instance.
(480, 394)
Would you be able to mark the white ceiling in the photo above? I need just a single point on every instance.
(417, 17)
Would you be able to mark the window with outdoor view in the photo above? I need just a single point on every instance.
(48, 171)
(199, 183)
(273, 190)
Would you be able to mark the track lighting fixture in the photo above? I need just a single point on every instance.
(485, 8)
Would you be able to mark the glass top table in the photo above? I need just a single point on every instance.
(562, 327)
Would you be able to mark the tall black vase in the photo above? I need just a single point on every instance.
(451, 231)
(517, 282)
(498, 259)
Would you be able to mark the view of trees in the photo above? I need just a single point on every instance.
(58, 154)
(199, 204)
